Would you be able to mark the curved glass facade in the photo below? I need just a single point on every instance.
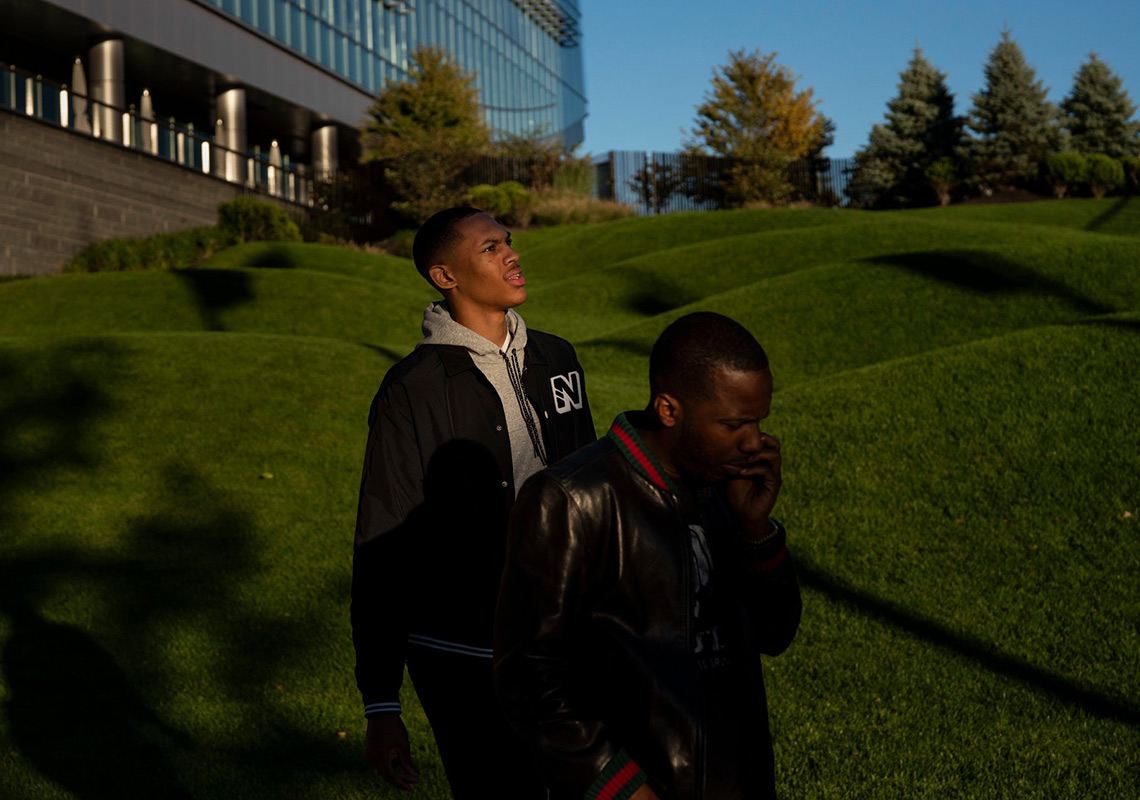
(525, 53)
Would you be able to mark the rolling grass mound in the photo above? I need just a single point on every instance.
(956, 393)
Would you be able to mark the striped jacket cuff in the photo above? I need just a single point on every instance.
(373, 709)
(618, 780)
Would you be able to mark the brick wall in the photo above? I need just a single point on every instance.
(60, 191)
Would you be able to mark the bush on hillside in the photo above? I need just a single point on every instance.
(556, 207)
(244, 219)
(509, 202)
(185, 248)
(1104, 175)
(1065, 170)
(400, 243)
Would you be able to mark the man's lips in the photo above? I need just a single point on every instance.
(516, 278)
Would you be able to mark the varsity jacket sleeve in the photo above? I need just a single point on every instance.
(583, 423)
(544, 600)
(391, 488)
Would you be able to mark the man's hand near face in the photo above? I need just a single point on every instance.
(752, 494)
(385, 744)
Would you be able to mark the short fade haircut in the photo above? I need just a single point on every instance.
(436, 237)
(688, 354)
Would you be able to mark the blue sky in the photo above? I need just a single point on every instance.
(650, 62)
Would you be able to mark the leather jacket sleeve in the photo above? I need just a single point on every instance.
(543, 600)
(391, 488)
(772, 592)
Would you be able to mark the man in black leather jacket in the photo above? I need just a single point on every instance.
(645, 576)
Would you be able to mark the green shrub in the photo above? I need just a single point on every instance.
(575, 176)
(1104, 175)
(942, 176)
(178, 250)
(509, 202)
(244, 219)
(1065, 170)
(400, 243)
(1131, 166)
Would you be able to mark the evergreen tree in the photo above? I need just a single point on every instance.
(920, 129)
(1015, 127)
(1098, 113)
(426, 131)
(754, 116)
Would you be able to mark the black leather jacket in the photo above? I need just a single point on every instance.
(594, 638)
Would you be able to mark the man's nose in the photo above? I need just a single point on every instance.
(753, 441)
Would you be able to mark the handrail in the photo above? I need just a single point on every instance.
(80, 113)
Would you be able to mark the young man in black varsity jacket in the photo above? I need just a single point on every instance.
(456, 428)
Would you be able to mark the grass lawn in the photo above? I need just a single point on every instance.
(958, 398)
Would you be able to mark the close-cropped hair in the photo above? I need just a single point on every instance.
(688, 354)
(437, 236)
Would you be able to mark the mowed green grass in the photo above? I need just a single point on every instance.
(956, 394)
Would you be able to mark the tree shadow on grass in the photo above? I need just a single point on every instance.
(984, 655)
(274, 256)
(99, 636)
(989, 273)
(217, 290)
(662, 296)
(1105, 218)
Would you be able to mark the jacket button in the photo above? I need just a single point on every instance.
(498, 427)
(504, 484)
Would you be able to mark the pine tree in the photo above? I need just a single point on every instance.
(1015, 127)
(1098, 113)
(920, 129)
(754, 116)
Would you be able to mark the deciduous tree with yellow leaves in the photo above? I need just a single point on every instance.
(754, 116)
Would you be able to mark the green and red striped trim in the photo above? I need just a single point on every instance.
(618, 780)
(624, 435)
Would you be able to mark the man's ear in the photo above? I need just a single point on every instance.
(668, 409)
(442, 278)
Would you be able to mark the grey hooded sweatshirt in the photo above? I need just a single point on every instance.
(502, 365)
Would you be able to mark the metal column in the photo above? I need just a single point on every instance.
(324, 158)
(231, 121)
(108, 89)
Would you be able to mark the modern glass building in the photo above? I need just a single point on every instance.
(252, 90)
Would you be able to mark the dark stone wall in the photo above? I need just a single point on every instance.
(61, 191)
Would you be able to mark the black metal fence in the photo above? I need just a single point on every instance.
(662, 183)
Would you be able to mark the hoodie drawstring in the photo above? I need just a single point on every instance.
(515, 374)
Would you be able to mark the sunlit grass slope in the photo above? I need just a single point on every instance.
(956, 392)
(967, 527)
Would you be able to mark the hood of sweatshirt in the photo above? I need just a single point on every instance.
(440, 328)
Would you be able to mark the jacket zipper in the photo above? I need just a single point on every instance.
(691, 643)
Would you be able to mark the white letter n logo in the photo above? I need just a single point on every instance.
(567, 392)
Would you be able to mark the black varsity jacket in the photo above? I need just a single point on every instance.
(435, 494)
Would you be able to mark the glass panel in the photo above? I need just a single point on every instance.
(281, 22)
(265, 16)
